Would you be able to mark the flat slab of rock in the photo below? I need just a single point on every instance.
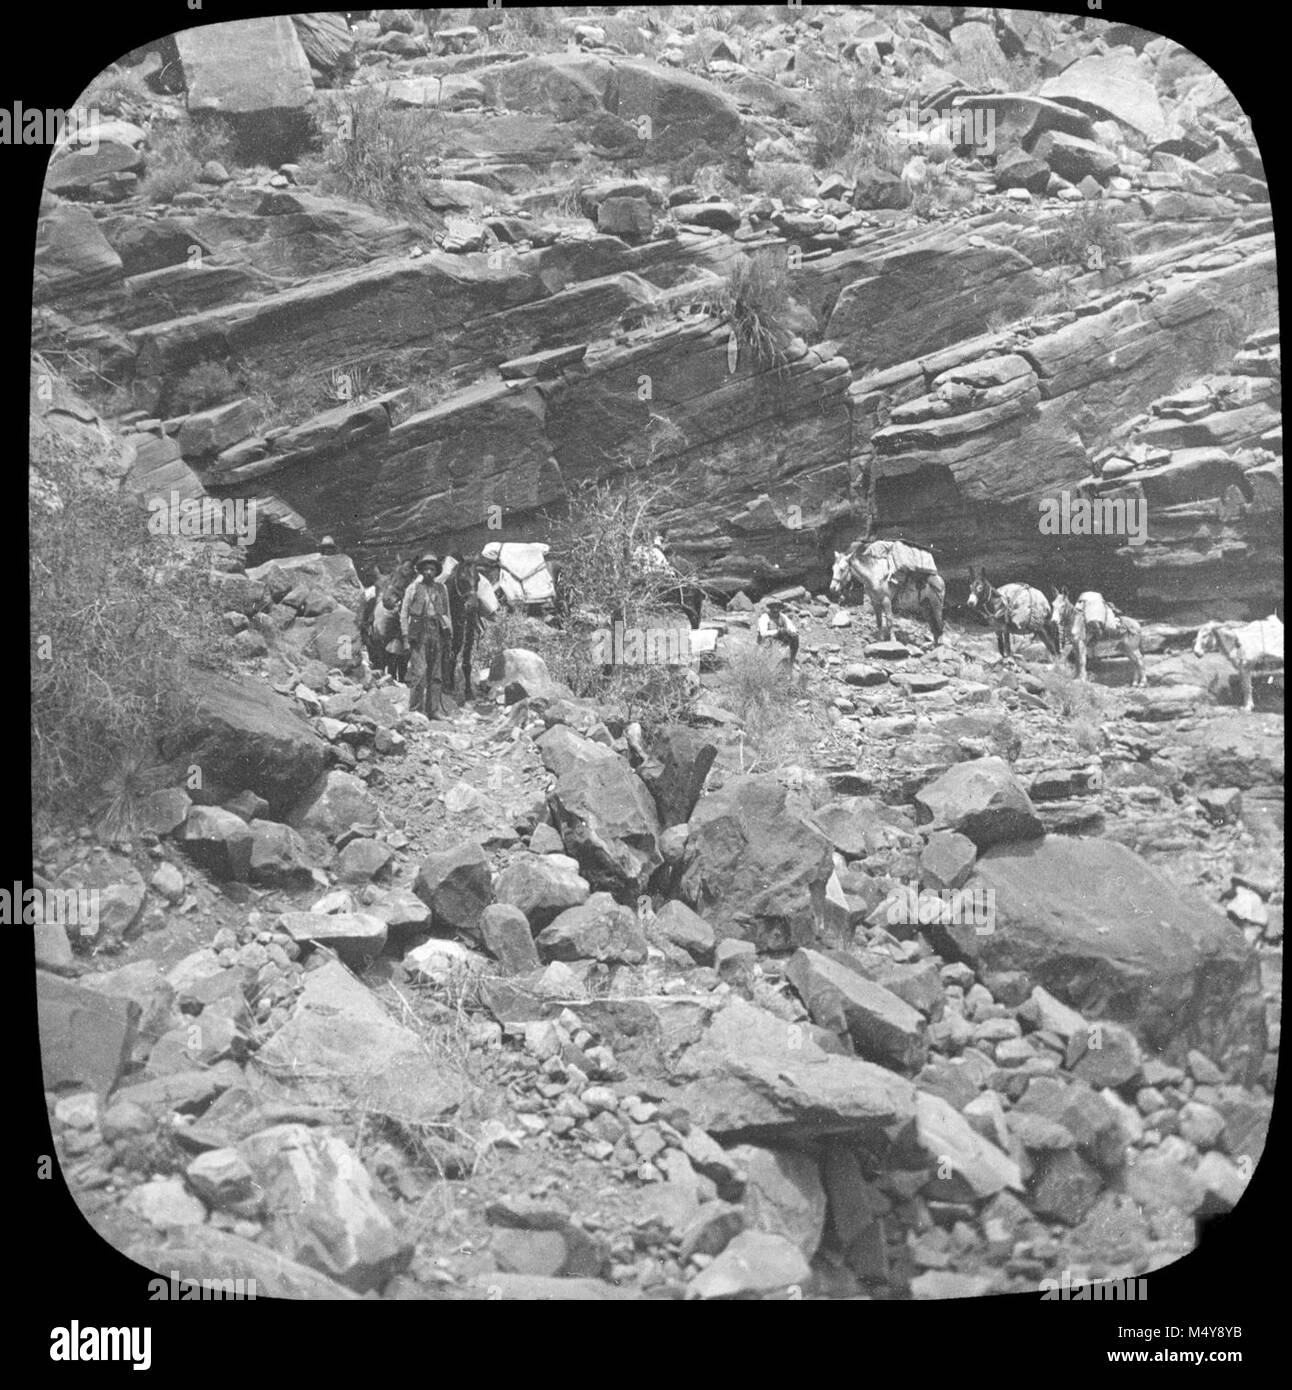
(340, 1040)
(86, 1037)
(355, 936)
(753, 1265)
(755, 1074)
(883, 1027)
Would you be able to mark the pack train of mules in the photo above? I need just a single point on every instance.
(894, 574)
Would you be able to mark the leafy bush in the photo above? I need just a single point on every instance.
(119, 619)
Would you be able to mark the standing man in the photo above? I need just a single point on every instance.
(424, 618)
(774, 625)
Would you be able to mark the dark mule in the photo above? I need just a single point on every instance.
(387, 650)
(468, 622)
(1013, 609)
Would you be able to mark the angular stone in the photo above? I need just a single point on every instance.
(967, 1166)
(753, 1265)
(340, 1037)
(321, 1207)
(983, 800)
(754, 868)
(784, 1195)
(883, 1027)
(946, 860)
(599, 929)
(606, 815)
(86, 1037)
(686, 929)
(752, 1073)
(540, 888)
(505, 934)
(279, 855)
(457, 886)
(356, 937)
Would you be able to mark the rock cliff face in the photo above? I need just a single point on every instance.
(944, 372)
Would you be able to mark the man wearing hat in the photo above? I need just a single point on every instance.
(327, 546)
(774, 625)
(424, 618)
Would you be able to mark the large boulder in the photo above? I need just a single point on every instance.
(243, 736)
(328, 45)
(754, 868)
(1110, 936)
(254, 73)
(680, 761)
(1114, 85)
(981, 799)
(606, 816)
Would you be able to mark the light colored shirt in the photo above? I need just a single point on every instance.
(423, 598)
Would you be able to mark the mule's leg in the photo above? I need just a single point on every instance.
(886, 635)
(1245, 680)
(1002, 642)
(468, 649)
(1131, 646)
(1081, 658)
(932, 605)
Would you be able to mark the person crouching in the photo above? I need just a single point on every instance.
(774, 625)
(424, 618)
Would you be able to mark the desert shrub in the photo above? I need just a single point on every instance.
(848, 116)
(205, 385)
(783, 180)
(754, 300)
(380, 155)
(1088, 238)
(1078, 701)
(119, 619)
(117, 91)
(176, 152)
(531, 29)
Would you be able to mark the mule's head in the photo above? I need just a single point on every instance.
(1061, 608)
(1206, 641)
(841, 573)
(979, 588)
